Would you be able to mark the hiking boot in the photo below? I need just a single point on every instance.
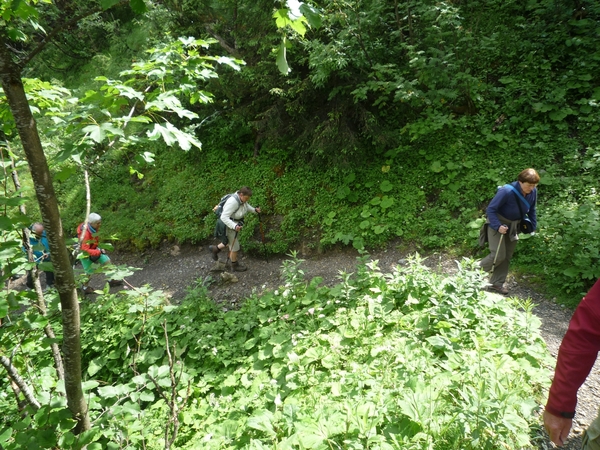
(499, 289)
(113, 283)
(87, 290)
(215, 251)
(238, 267)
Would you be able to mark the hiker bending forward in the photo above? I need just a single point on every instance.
(504, 216)
(230, 224)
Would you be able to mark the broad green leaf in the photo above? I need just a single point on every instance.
(282, 64)
(3, 311)
(386, 186)
(279, 339)
(5, 223)
(95, 365)
(312, 15)
(90, 384)
(12, 201)
(343, 192)
(281, 17)
(571, 272)
(170, 135)
(379, 229)
(147, 396)
(386, 202)
(233, 63)
(506, 80)
(437, 167)
(95, 132)
(298, 26)
(145, 157)
(169, 102)
(65, 173)
(263, 421)
(543, 107)
(128, 92)
(250, 343)
(559, 115)
(167, 135)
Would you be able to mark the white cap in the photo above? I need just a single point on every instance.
(94, 218)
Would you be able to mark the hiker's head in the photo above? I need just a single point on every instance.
(528, 179)
(529, 176)
(37, 229)
(245, 193)
(94, 220)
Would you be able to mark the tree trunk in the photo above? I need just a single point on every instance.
(10, 77)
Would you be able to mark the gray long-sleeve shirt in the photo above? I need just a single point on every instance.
(235, 210)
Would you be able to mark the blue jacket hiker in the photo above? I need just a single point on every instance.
(504, 215)
(41, 253)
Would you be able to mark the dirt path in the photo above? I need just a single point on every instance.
(173, 268)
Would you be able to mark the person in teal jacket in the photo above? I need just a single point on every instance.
(41, 253)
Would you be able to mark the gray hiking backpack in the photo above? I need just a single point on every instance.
(218, 209)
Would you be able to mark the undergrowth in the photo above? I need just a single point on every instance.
(407, 360)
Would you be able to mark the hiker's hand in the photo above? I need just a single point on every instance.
(503, 229)
(257, 209)
(238, 227)
(557, 428)
(103, 251)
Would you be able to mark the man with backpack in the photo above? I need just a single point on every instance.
(230, 212)
(513, 204)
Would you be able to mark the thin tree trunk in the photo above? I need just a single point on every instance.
(41, 303)
(10, 77)
(15, 378)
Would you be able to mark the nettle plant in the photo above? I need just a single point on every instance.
(408, 359)
(402, 360)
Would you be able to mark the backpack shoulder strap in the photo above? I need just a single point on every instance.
(237, 198)
(519, 195)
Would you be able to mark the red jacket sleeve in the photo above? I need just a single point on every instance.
(577, 355)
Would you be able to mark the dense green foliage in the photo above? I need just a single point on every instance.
(407, 360)
(397, 121)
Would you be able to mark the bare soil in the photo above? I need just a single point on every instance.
(173, 269)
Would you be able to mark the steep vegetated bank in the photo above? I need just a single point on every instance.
(403, 133)
(395, 121)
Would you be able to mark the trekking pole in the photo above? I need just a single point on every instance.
(262, 237)
(231, 249)
(496, 256)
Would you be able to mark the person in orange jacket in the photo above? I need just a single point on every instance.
(89, 245)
